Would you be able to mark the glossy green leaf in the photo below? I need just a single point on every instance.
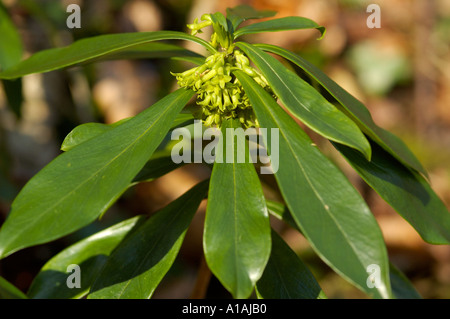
(219, 22)
(89, 254)
(243, 12)
(406, 191)
(281, 212)
(153, 50)
(9, 291)
(91, 49)
(11, 48)
(80, 185)
(354, 109)
(88, 131)
(156, 167)
(84, 133)
(281, 24)
(236, 238)
(286, 276)
(402, 288)
(141, 261)
(222, 28)
(304, 102)
(329, 211)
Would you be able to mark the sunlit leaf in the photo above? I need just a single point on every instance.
(89, 254)
(407, 192)
(81, 184)
(236, 239)
(328, 210)
(9, 291)
(141, 261)
(243, 12)
(354, 109)
(305, 103)
(90, 50)
(281, 24)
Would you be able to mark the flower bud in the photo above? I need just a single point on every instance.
(226, 100)
(208, 76)
(249, 71)
(220, 95)
(198, 84)
(209, 120)
(206, 101)
(217, 119)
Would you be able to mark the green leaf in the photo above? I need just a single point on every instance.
(89, 254)
(236, 238)
(11, 44)
(79, 185)
(281, 212)
(181, 120)
(156, 167)
(141, 261)
(219, 22)
(9, 291)
(222, 29)
(243, 12)
(281, 24)
(286, 276)
(88, 131)
(354, 109)
(406, 191)
(90, 49)
(402, 288)
(329, 211)
(153, 50)
(159, 165)
(304, 102)
(84, 133)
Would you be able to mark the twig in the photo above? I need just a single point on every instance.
(202, 283)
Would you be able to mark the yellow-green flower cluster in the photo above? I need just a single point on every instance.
(197, 27)
(219, 93)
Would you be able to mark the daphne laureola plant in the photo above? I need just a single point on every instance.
(239, 85)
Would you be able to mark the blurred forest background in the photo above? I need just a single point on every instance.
(401, 72)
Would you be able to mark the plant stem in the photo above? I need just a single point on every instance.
(202, 283)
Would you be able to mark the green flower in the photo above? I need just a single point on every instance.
(219, 94)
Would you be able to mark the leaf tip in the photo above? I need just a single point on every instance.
(3, 252)
(322, 31)
(368, 153)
